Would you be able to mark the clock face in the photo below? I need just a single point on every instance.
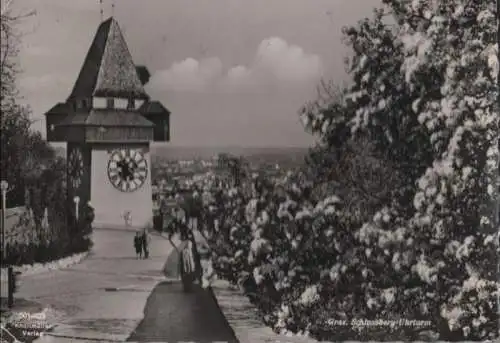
(75, 165)
(127, 169)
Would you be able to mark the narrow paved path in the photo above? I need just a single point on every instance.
(103, 297)
(111, 297)
(172, 315)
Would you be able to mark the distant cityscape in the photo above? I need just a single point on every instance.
(169, 174)
(281, 155)
(176, 168)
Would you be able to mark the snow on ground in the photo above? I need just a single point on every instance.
(37, 268)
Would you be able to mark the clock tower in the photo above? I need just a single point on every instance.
(108, 122)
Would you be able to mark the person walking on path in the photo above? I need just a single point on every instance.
(145, 242)
(88, 218)
(138, 245)
(198, 270)
(187, 264)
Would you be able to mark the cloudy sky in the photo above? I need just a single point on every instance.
(233, 72)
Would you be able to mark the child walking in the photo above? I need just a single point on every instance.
(138, 245)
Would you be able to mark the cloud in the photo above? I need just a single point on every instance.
(240, 76)
(275, 62)
(286, 62)
(189, 74)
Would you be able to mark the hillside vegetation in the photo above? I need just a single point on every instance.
(35, 175)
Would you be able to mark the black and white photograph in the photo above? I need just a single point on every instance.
(249, 171)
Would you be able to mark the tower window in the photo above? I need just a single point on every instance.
(85, 103)
(131, 104)
(110, 103)
(81, 104)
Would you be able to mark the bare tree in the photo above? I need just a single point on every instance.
(9, 50)
(15, 121)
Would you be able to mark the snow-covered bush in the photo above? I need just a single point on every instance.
(303, 264)
(426, 92)
(425, 97)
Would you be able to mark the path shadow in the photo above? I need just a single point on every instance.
(173, 315)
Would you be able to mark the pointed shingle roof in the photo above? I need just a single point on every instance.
(108, 69)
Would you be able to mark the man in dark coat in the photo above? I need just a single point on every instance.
(138, 244)
(145, 242)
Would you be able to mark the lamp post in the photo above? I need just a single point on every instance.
(127, 217)
(3, 187)
(76, 200)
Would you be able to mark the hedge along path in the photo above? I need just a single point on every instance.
(20, 225)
